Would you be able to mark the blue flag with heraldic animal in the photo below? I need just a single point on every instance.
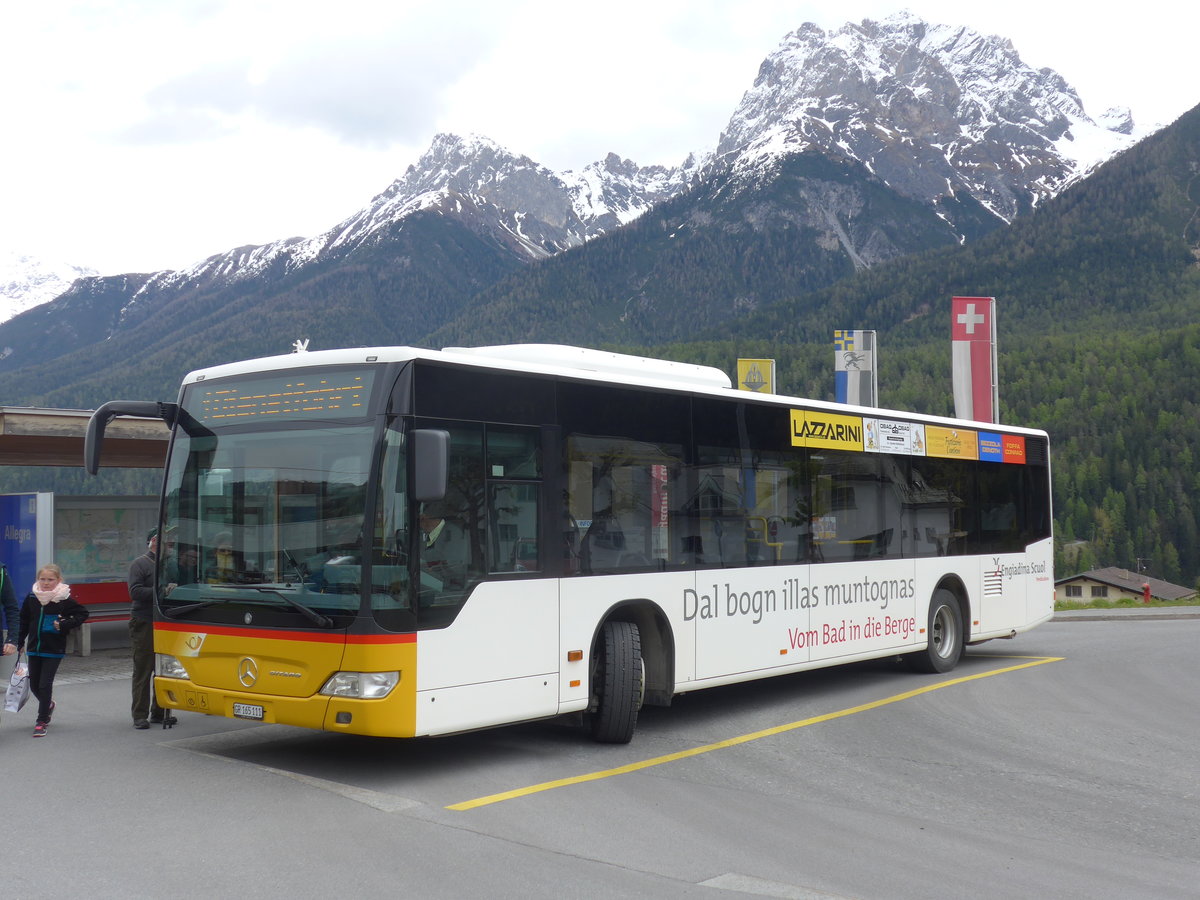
(854, 367)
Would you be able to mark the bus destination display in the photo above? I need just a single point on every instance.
(341, 393)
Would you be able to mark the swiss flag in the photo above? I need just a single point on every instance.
(973, 358)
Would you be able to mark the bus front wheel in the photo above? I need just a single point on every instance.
(946, 637)
(617, 681)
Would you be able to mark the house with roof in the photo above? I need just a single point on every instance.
(1113, 583)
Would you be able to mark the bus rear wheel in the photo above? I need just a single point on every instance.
(946, 637)
(618, 678)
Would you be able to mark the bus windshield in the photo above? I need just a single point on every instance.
(266, 520)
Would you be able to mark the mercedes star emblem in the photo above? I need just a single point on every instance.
(247, 671)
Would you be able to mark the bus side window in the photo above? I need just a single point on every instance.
(513, 526)
(621, 501)
(938, 491)
(513, 469)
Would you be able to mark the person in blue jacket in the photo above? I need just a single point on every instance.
(48, 615)
(11, 612)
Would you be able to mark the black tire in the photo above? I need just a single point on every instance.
(946, 636)
(617, 683)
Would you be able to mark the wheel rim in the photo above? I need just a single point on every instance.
(943, 638)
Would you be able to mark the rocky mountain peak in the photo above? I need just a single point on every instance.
(539, 212)
(934, 111)
(463, 164)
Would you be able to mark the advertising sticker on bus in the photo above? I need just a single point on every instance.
(951, 443)
(829, 430)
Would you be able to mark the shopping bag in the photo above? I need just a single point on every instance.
(18, 687)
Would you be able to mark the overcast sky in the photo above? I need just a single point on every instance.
(148, 134)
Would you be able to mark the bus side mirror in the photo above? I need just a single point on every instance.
(431, 463)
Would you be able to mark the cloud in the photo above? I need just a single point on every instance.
(176, 129)
(370, 86)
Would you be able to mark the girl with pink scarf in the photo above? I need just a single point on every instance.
(48, 615)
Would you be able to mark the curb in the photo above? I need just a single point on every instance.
(1127, 614)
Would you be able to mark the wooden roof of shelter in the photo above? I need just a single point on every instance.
(30, 436)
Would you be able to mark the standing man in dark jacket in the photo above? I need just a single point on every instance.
(141, 635)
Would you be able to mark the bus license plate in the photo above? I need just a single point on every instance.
(248, 711)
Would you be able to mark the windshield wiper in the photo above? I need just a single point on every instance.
(181, 611)
(311, 614)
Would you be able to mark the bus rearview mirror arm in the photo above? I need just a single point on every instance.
(144, 409)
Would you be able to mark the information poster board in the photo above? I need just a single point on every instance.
(26, 524)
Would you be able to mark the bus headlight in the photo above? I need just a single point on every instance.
(167, 666)
(363, 685)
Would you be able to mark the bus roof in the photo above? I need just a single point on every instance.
(569, 361)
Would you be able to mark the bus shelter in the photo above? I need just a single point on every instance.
(93, 538)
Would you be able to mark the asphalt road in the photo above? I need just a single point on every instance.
(1060, 764)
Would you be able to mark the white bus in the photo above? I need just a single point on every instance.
(404, 542)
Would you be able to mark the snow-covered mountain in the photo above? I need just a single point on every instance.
(935, 111)
(939, 114)
(27, 281)
(526, 207)
(536, 211)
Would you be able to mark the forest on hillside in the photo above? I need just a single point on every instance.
(1122, 411)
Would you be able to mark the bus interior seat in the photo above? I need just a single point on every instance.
(342, 579)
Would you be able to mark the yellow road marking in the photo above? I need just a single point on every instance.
(740, 739)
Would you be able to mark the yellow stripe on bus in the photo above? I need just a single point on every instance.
(741, 739)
